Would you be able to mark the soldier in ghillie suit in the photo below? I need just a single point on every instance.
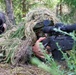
(32, 18)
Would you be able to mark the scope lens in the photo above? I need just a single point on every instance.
(46, 22)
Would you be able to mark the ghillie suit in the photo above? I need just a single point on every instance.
(32, 18)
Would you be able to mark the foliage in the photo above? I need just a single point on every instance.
(2, 5)
(70, 3)
(69, 18)
(51, 3)
(21, 8)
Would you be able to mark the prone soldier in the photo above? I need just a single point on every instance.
(32, 19)
(49, 42)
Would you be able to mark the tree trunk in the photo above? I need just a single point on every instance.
(9, 10)
(60, 9)
(24, 7)
(57, 10)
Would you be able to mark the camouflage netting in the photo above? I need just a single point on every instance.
(24, 48)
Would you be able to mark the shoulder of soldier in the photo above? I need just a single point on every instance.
(2, 16)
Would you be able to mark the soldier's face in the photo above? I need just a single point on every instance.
(39, 33)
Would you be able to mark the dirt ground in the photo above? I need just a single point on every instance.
(6, 69)
(26, 69)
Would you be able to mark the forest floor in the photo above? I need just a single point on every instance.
(6, 69)
(26, 69)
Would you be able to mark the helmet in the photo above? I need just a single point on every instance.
(40, 25)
